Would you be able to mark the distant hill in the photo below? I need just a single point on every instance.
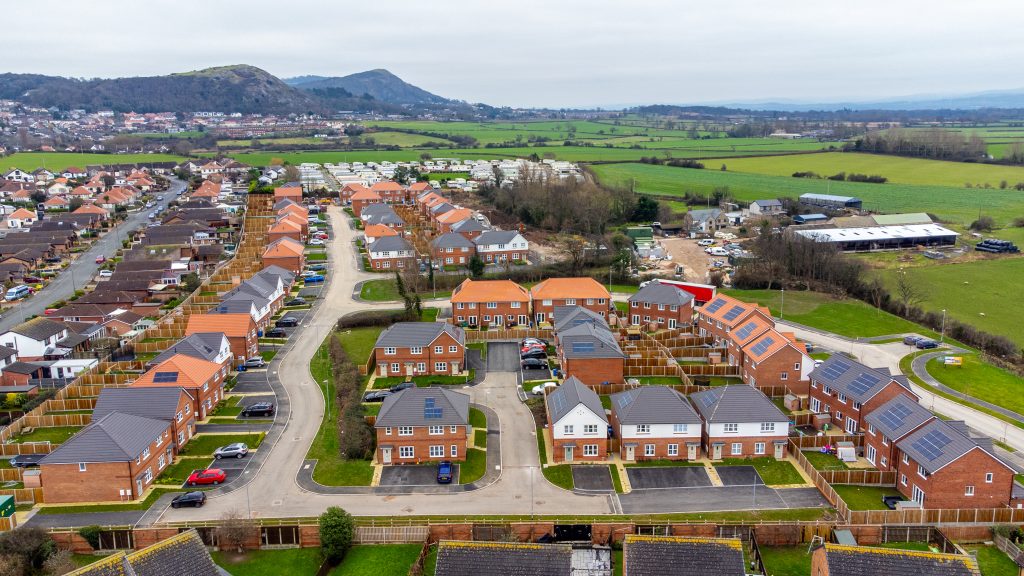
(379, 84)
(1002, 99)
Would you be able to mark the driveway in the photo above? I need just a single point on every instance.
(87, 519)
(739, 475)
(596, 478)
(418, 475)
(714, 499)
(502, 357)
(668, 477)
(251, 383)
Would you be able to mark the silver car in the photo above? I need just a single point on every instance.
(236, 450)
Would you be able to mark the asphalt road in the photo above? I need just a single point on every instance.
(84, 268)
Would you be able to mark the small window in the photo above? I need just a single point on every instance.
(590, 428)
(387, 431)
(438, 349)
(731, 428)
(679, 428)
(758, 447)
(648, 449)
(416, 350)
(455, 451)
(435, 430)
(405, 430)
(906, 459)
(390, 351)
(988, 478)
(737, 448)
(453, 349)
(81, 466)
(567, 430)
(767, 427)
(643, 428)
(921, 471)
(785, 376)
(968, 490)
(673, 449)
(903, 479)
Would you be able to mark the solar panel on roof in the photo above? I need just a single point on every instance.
(835, 369)
(707, 400)
(626, 398)
(931, 444)
(428, 403)
(714, 306)
(165, 377)
(733, 313)
(745, 330)
(557, 402)
(762, 346)
(582, 346)
(893, 417)
(863, 382)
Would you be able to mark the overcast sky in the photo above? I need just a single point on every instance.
(545, 52)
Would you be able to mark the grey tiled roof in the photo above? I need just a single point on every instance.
(19, 367)
(657, 293)
(180, 555)
(407, 334)
(736, 403)
(661, 556)
(441, 208)
(653, 405)
(571, 393)
(767, 203)
(116, 437)
(569, 316)
(452, 240)
(869, 561)
(704, 215)
(386, 218)
(503, 558)
(6, 352)
(274, 271)
(39, 328)
(155, 403)
(495, 237)
(588, 341)
(241, 304)
(409, 408)
(851, 378)
(936, 444)
(898, 417)
(390, 244)
(376, 210)
(205, 345)
(469, 225)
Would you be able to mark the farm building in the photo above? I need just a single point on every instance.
(809, 218)
(831, 201)
(883, 237)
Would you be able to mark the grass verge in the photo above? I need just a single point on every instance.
(473, 468)
(270, 562)
(144, 504)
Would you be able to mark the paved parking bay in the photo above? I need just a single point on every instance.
(246, 401)
(502, 357)
(230, 473)
(668, 477)
(739, 475)
(715, 498)
(251, 383)
(543, 374)
(414, 475)
(595, 478)
(85, 519)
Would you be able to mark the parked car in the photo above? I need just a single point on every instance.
(152, 216)
(258, 409)
(911, 340)
(236, 450)
(106, 273)
(541, 388)
(706, 242)
(444, 472)
(534, 364)
(101, 259)
(193, 499)
(541, 354)
(316, 267)
(17, 293)
(314, 279)
(275, 333)
(255, 362)
(401, 386)
(376, 395)
(287, 322)
(160, 198)
(315, 242)
(31, 279)
(209, 476)
(50, 311)
(531, 341)
(26, 460)
(926, 344)
(150, 204)
(298, 301)
(52, 259)
(321, 236)
(180, 192)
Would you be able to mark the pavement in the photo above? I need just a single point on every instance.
(84, 268)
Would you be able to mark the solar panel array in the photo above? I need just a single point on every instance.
(626, 398)
(708, 400)
(165, 377)
(863, 382)
(557, 403)
(582, 346)
(745, 330)
(762, 346)
(430, 410)
(931, 444)
(893, 417)
(733, 313)
(714, 306)
(835, 369)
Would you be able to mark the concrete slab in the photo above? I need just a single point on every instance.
(739, 475)
(668, 477)
(413, 475)
(594, 478)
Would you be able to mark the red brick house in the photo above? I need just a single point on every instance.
(577, 424)
(941, 466)
(846, 390)
(452, 249)
(391, 253)
(362, 199)
(291, 191)
(655, 423)
(373, 232)
(776, 359)
(285, 228)
(390, 192)
(887, 425)
(721, 315)
(591, 353)
(490, 303)
(240, 330)
(500, 246)
(349, 189)
(744, 333)
(420, 348)
(286, 253)
(471, 228)
(202, 379)
(585, 292)
(741, 422)
(662, 305)
(422, 425)
(174, 405)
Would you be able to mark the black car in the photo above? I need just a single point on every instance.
(53, 259)
(193, 499)
(911, 340)
(295, 302)
(925, 344)
(402, 386)
(287, 322)
(376, 395)
(259, 409)
(275, 333)
(536, 353)
(534, 364)
(26, 460)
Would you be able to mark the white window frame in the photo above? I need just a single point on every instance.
(969, 490)
(437, 451)
(405, 430)
(767, 427)
(406, 452)
(736, 449)
(680, 428)
(673, 449)
(731, 428)
(648, 449)
(590, 428)
(568, 430)
(435, 430)
(643, 428)
(590, 450)
(759, 448)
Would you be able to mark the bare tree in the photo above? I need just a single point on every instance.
(234, 530)
(59, 563)
(574, 247)
(908, 292)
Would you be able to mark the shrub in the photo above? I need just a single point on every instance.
(91, 535)
(336, 532)
(983, 224)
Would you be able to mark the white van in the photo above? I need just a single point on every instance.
(16, 293)
(716, 251)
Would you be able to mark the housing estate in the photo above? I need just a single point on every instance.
(422, 425)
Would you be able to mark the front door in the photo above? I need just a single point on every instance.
(671, 323)
(385, 455)
(568, 453)
(691, 451)
(716, 452)
(778, 450)
(138, 487)
(636, 320)
(630, 453)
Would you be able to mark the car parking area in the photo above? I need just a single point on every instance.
(595, 478)
(668, 477)
(232, 467)
(502, 357)
(739, 476)
(251, 383)
(414, 475)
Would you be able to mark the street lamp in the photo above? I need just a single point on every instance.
(327, 394)
(782, 305)
(942, 335)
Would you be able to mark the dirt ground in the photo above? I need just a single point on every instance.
(686, 252)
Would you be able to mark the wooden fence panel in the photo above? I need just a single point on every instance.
(391, 534)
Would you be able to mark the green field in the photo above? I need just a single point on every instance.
(957, 204)
(897, 169)
(402, 139)
(982, 381)
(979, 293)
(60, 160)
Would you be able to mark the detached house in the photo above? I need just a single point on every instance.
(422, 425)
(706, 221)
(585, 292)
(420, 348)
(240, 330)
(777, 359)
(174, 405)
(452, 249)
(847, 390)
(577, 425)
(202, 379)
(766, 208)
(655, 423)
(34, 339)
(591, 353)
(741, 422)
(392, 253)
(499, 246)
(490, 303)
(663, 305)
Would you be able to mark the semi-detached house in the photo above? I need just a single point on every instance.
(202, 379)
(553, 292)
(174, 405)
(422, 425)
(655, 423)
(210, 346)
(723, 314)
(452, 249)
(392, 253)
(888, 424)
(577, 424)
(420, 348)
(487, 303)
(847, 390)
(663, 305)
(240, 330)
(499, 246)
(741, 422)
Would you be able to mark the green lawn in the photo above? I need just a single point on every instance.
(424, 381)
(430, 562)
(822, 461)
(29, 161)
(847, 317)
(383, 290)
(864, 497)
(270, 562)
(616, 481)
(993, 562)
(203, 444)
(480, 438)
(268, 355)
(358, 342)
(474, 467)
(176, 474)
(477, 419)
(228, 406)
(54, 434)
(378, 560)
(316, 256)
(606, 401)
(981, 380)
(773, 472)
(560, 474)
(786, 560)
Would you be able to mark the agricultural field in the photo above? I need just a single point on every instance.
(402, 139)
(956, 204)
(244, 143)
(897, 169)
(29, 161)
(999, 137)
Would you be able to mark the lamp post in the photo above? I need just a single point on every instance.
(782, 305)
(942, 335)
(327, 395)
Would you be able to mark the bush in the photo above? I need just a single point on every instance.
(91, 535)
(336, 532)
(983, 224)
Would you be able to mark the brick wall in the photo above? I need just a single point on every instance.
(503, 309)
(392, 263)
(294, 263)
(503, 255)
(428, 356)
(457, 256)
(558, 452)
(594, 370)
(421, 441)
(748, 445)
(768, 372)
(946, 488)
(594, 305)
(683, 315)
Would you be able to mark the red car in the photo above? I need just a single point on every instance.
(209, 476)
(101, 259)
